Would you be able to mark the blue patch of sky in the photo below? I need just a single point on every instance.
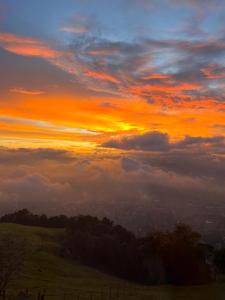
(116, 20)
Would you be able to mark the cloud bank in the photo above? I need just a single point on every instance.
(143, 191)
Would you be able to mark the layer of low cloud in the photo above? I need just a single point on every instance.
(142, 191)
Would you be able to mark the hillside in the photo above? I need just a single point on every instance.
(58, 278)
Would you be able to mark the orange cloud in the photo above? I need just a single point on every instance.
(214, 72)
(163, 88)
(157, 76)
(102, 76)
(26, 91)
(27, 46)
(102, 52)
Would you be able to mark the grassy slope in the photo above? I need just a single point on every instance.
(46, 270)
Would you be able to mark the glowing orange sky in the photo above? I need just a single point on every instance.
(80, 90)
(73, 120)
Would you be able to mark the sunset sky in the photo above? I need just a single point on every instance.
(122, 100)
(77, 73)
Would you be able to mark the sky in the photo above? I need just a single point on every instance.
(113, 107)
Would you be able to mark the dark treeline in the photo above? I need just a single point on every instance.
(175, 257)
(24, 217)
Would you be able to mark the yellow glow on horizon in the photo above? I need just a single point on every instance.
(67, 122)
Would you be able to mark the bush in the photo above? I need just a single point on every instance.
(181, 255)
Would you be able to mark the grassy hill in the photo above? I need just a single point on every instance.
(62, 279)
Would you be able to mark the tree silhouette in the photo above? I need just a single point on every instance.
(182, 255)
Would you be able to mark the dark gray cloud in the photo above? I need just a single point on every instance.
(192, 162)
(157, 141)
(151, 141)
(189, 141)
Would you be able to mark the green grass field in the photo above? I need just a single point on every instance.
(60, 279)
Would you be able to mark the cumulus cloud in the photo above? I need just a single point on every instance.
(150, 141)
(157, 141)
(189, 141)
